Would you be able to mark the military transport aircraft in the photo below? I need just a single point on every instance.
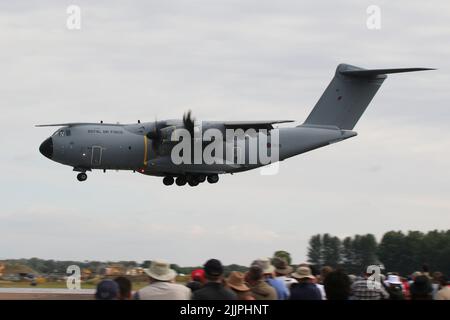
(147, 147)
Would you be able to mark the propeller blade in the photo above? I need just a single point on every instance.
(156, 136)
(189, 122)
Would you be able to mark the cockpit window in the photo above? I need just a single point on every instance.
(62, 133)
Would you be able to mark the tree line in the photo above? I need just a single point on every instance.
(396, 251)
(51, 266)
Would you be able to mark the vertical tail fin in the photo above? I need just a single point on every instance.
(348, 95)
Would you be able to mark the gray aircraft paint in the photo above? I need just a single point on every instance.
(87, 146)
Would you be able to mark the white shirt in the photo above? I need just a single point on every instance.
(322, 291)
(165, 291)
(287, 280)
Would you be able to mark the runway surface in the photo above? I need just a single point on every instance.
(45, 294)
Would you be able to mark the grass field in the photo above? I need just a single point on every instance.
(59, 285)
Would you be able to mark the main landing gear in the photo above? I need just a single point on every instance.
(82, 176)
(168, 181)
(192, 180)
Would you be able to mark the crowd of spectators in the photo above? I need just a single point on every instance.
(274, 279)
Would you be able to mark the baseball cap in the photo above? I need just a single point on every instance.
(198, 275)
(213, 267)
(107, 290)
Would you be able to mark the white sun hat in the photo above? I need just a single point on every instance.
(160, 270)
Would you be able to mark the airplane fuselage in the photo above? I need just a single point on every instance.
(154, 148)
(124, 147)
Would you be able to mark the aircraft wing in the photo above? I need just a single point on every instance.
(253, 124)
(72, 124)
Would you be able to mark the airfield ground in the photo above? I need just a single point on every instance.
(10, 290)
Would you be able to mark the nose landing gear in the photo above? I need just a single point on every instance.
(82, 176)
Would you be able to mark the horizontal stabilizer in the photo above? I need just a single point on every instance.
(376, 72)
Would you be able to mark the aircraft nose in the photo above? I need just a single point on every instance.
(46, 148)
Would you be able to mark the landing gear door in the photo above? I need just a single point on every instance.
(96, 159)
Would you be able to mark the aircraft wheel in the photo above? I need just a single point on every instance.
(214, 178)
(168, 180)
(193, 182)
(181, 181)
(201, 179)
(82, 176)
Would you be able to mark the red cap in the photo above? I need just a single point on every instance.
(198, 275)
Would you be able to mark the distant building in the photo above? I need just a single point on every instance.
(86, 274)
(113, 270)
(137, 271)
(16, 272)
(2, 269)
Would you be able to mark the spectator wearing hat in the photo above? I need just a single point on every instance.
(214, 288)
(124, 288)
(236, 282)
(444, 292)
(337, 285)
(365, 289)
(394, 287)
(107, 290)
(197, 280)
(421, 288)
(305, 289)
(260, 289)
(324, 271)
(162, 286)
(269, 276)
(283, 271)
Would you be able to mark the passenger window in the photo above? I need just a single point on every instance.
(67, 132)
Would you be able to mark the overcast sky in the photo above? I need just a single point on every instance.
(225, 60)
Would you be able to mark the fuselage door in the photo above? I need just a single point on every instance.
(96, 159)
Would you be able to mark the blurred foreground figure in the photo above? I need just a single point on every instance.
(394, 287)
(197, 280)
(444, 292)
(124, 288)
(259, 288)
(214, 288)
(283, 271)
(236, 282)
(421, 288)
(305, 289)
(269, 276)
(162, 286)
(337, 285)
(107, 290)
(361, 290)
